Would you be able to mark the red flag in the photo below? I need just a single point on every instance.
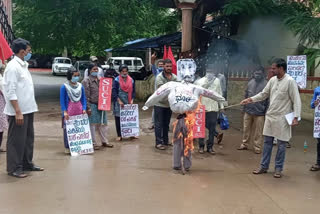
(174, 64)
(165, 53)
(5, 50)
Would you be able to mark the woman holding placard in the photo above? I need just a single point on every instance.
(72, 100)
(315, 104)
(123, 92)
(97, 118)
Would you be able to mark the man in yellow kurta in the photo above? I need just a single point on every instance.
(282, 91)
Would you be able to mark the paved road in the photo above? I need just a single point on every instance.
(133, 177)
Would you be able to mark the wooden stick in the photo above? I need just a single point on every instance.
(232, 106)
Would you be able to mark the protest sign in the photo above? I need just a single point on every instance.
(316, 126)
(297, 69)
(105, 90)
(129, 120)
(199, 128)
(79, 135)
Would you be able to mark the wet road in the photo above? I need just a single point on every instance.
(133, 177)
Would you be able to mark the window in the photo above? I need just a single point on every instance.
(128, 62)
(63, 61)
(137, 63)
(117, 62)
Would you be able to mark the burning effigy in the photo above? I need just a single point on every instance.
(184, 99)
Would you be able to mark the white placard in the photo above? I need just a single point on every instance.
(79, 135)
(290, 117)
(129, 120)
(297, 69)
(316, 125)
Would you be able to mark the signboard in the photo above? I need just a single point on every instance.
(79, 135)
(316, 126)
(199, 128)
(297, 69)
(129, 120)
(105, 90)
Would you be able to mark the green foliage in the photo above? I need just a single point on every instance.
(312, 54)
(87, 27)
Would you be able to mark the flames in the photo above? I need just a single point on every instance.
(189, 120)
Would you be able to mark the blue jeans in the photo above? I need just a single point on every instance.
(267, 151)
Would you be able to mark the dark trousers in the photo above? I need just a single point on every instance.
(162, 118)
(1, 136)
(318, 152)
(118, 127)
(211, 122)
(20, 144)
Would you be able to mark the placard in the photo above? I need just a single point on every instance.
(199, 128)
(105, 91)
(79, 135)
(297, 69)
(316, 126)
(129, 120)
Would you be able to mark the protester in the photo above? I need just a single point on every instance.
(123, 92)
(3, 117)
(162, 112)
(314, 103)
(94, 60)
(282, 90)
(111, 72)
(20, 106)
(212, 107)
(157, 68)
(254, 113)
(72, 101)
(97, 118)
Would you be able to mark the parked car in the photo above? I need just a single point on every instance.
(61, 65)
(135, 65)
(81, 66)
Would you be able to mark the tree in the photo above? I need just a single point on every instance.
(87, 27)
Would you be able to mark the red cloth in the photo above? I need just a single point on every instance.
(126, 86)
(174, 64)
(165, 53)
(5, 50)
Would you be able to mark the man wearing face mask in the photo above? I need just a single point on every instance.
(254, 114)
(20, 107)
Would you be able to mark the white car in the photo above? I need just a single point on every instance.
(61, 65)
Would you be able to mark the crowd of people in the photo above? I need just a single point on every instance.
(265, 105)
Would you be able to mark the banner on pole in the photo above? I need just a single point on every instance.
(316, 126)
(129, 120)
(297, 69)
(79, 135)
(105, 91)
(199, 128)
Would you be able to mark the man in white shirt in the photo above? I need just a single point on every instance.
(20, 105)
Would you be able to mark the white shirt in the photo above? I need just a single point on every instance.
(18, 85)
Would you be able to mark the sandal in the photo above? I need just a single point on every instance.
(277, 174)
(160, 147)
(96, 147)
(242, 147)
(315, 168)
(3, 150)
(260, 171)
(18, 174)
(119, 139)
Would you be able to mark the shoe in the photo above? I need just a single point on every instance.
(260, 171)
(315, 168)
(277, 174)
(33, 168)
(201, 150)
(109, 145)
(211, 151)
(160, 147)
(67, 151)
(219, 137)
(177, 168)
(18, 174)
(243, 147)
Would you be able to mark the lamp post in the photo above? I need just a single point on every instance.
(186, 6)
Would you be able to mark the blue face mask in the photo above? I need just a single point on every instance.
(75, 79)
(28, 57)
(160, 69)
(94, 74)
